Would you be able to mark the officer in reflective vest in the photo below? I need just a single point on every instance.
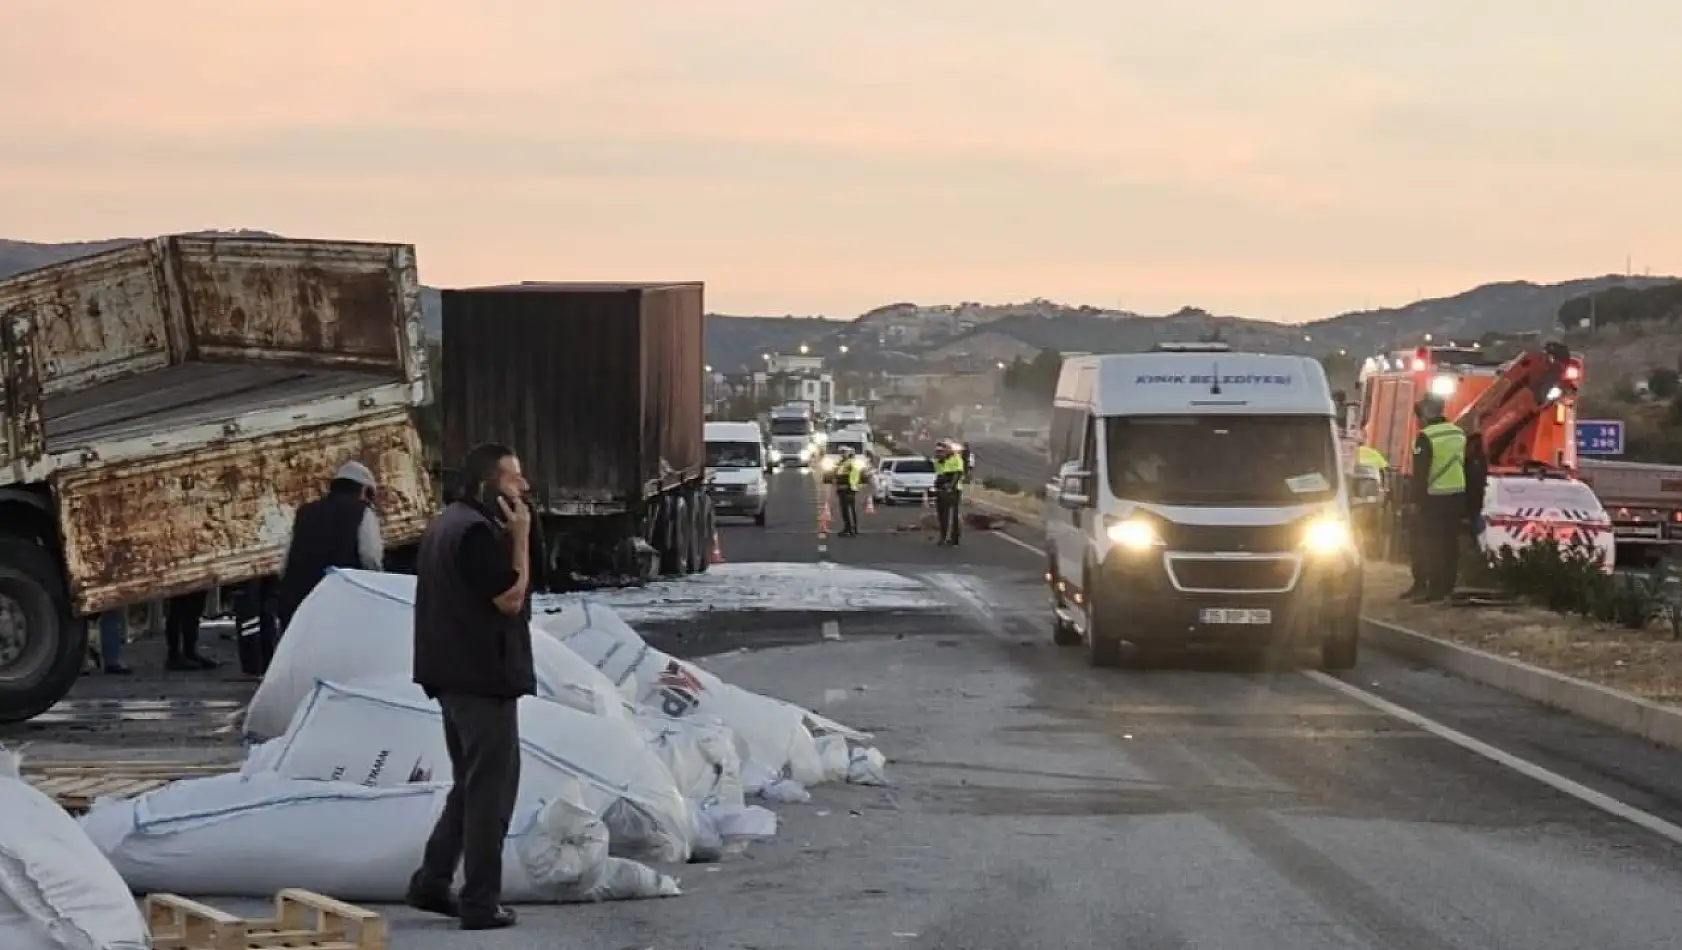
(848, 474)
(1438, 502)
(948, 491)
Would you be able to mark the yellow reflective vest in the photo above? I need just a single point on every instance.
(1448, 459)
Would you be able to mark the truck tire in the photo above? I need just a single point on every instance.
(42, 645)
(703, 547)
(674, 537)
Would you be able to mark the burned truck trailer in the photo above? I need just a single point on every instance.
(167, 406)
(599, 389)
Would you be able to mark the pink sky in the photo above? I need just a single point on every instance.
(1287, 160)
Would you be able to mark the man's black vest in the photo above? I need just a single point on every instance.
(463, 643)
(324, 536)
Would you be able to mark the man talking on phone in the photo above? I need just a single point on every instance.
(473, 655)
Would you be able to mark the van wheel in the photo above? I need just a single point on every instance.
(1103, 646)
(42, 645)
(1340, 652)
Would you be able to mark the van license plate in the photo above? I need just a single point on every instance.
(1235, 615)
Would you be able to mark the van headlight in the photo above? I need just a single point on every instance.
(1134, 534)
(776, 456)
(1325, 537)
(805, 455)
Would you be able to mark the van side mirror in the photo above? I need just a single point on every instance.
(1073, 486)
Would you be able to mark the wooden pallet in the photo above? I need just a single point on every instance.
(303, 920)
(75, 785)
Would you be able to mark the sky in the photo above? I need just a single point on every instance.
(1286, 160)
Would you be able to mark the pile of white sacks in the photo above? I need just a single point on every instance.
(629, 756)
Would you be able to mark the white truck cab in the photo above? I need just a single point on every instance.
(737, 459)
(1199, 501)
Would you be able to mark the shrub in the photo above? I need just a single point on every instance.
(1568, 579)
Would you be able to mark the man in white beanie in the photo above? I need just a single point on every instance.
(339, 529)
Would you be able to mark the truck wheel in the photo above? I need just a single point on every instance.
(706, 521)
(42, 646)
(1103, 647)
(674, 557)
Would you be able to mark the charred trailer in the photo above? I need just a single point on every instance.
(599, 390)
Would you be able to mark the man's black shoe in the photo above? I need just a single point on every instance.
(496, 920)
(441, 904)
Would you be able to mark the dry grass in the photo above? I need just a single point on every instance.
(1644, 662)
(1029, 508)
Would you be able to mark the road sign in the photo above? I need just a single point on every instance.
(1600, 437)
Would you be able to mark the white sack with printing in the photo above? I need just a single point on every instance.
(359, 625)
(384, 733)
(252, 835)
(777, 735)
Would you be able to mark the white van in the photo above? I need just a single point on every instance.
(1199, 500)
(737, 457)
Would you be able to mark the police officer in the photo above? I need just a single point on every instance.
(948, 491)
(1439, 502)
(848, 474)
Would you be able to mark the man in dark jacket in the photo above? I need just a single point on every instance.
(473, 655)
(339, 529)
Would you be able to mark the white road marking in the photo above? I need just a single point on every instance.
(1016, 541)
(832, 629)
(1523, 767)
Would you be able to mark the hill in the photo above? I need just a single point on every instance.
(900, 335)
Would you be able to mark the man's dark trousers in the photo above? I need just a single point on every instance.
(1441, 524)
(849, 504)
(1419, 547)
(946, 508)
(482, 734)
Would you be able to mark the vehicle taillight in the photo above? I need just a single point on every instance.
(1421, 359)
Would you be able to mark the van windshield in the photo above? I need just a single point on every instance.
(791, 427)
(733, 455)
(1222, 460)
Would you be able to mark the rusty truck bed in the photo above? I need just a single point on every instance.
(185, 395)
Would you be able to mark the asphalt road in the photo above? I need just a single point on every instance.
(1042, 804)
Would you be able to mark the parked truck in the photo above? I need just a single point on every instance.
(168, 405)
(598, 389)
(1644, 501)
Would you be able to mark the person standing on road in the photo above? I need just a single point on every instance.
(948, 491)
(182, 617)
(339, 529)
(1439, 502)
(848, 474)
(473, 655)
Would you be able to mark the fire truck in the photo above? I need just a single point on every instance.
(1521, 451)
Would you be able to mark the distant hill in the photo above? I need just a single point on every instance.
(901, 335)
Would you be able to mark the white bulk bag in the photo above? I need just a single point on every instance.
(774, 732)
(702, 756)
(250, 836)
(57, 891)
(383, 733)
(359, 625)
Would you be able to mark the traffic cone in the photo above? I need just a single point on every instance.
(718, 552)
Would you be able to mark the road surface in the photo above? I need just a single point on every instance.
(1042, 804)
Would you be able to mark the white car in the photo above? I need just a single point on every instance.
(903, 478)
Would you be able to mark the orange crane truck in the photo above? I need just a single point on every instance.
(1521, 453)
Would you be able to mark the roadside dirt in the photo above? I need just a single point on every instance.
(1647, 663)
(1026, 507)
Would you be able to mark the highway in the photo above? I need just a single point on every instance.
(1043, 805)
